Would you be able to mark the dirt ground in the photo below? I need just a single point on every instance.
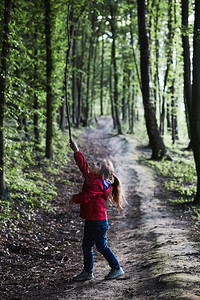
(154, 241)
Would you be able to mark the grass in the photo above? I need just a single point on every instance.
(178, 176)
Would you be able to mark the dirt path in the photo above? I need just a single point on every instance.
(156, 247)
(152, 242)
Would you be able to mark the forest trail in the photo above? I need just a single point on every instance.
(154, 244)
(151, 240)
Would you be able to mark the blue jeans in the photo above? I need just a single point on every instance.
(95, 233)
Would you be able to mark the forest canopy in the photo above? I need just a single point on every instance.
(137, 61)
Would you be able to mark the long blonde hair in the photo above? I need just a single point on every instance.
(116, 195)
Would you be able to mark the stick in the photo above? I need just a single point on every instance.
(68, 119)
(66, 72)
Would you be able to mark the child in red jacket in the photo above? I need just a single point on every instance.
(100, 183)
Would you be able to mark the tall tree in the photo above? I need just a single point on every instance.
(49, 69)
(114, 63)
(195, 128)
(102, 76)
(132, 46)
(187, 63)
(93, 83)
(174, 125)
(3, 77)
(89, 63)
(156, 142)
(111, 94)
(35, 104)
(169, 52)
(80, 78)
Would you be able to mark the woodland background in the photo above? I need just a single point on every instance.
(138, 61)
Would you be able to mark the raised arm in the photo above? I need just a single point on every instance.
(80, 159)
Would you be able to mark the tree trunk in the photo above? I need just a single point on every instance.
(80, 80)
(131, 104)
(49, 68)
(86, 114)
(187, 68)
(62, 116)
(156, 142)
(169, 64)
(93, 89)
(3, 77)
(35, 103)
(195, 128)
(114, 63)
(174, 123)
(132, 114)
(102, 74)
(124, 85)
(134, 55)
(90, 56)
(168, 115)
(128, 110)
(158, 99)
(111, 97)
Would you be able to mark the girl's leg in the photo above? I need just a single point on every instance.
(87, 247)
(101, 243)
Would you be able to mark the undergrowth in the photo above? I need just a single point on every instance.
(178, 176)
(31, 178)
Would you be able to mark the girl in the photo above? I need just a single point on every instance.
(100, 182)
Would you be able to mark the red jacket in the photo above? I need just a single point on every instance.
(94, 192)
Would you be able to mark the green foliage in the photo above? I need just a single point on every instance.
(179, 175)
(30, 178)
(195, 214)
(28, 175)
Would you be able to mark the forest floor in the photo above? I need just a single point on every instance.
(155, 242)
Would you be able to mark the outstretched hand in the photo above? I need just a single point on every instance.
(73, 146)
